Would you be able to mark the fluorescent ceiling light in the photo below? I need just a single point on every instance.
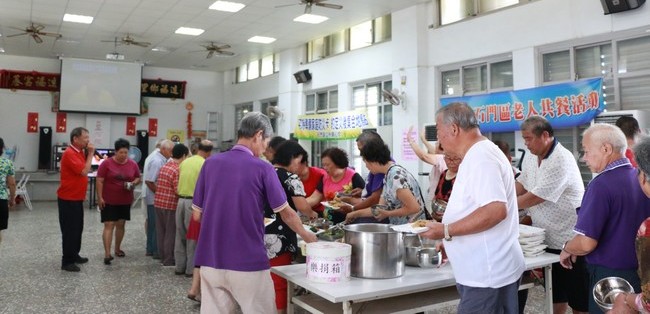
(78, 18)
(227, 6)
(160, 49)
(311, 18)
(261, 39)
(2, 50)
(189, 31)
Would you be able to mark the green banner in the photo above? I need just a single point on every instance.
(332, 126)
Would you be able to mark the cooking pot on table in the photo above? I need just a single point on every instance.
(377, 251)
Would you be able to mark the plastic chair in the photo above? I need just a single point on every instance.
(21, 190)
(137, 195)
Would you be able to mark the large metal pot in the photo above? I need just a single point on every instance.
(377, 251)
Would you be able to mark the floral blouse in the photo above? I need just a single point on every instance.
(397, 177)
(6, 170)
(278, 237)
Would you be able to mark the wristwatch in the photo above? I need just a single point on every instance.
(564, 245)
(445, 229)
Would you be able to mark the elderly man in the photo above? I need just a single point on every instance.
(612, 209)
(75, 166)
(550, 186)
(480, 225)
(158, 160)
(189, 173)
(230, 195)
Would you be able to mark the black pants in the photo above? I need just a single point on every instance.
(71, 220)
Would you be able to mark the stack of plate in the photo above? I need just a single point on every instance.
(531, 240)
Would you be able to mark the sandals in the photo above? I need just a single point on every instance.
(119, 253)
(107, 260)
(194, 297)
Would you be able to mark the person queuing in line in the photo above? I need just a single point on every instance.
(239, 271)
(188, 174)
(151, 171)
(310, 177)
(480, 225)
(626, 303)
(338, 174)
(433, 155)
(279, 239)
(75, 166)
(117, 176)
(550, 187)
(612, 209)
(270, 150)
(374, 185)
(151, 247)
(166, 202)
(444, 186)
(401, 193)
(7, 188)
(191, 238)
(630, 127)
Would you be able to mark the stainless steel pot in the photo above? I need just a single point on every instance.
(377, 251)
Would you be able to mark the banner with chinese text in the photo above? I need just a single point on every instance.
(163, 89)
(563, 105)
(29, 80)
(331, 127)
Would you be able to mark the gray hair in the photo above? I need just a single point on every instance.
(167, 144)
(77, 132)
(158, 142)
(642, 155)
(537, 125)
(460, 114)
(607, 134)
(252, 123)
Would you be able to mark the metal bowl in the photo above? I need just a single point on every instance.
(429, 257)
(439, 206)
(606, 290)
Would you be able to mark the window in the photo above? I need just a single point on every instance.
(257, 68)
(274, 120)
(321, 103)
(242, 73)
(476, 78)
(267, 66)
(253, 70)
(359, 36)
(451, 11)
(240, 111)
(557, 66)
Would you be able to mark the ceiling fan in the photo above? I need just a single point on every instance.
(309, 3)
(35, 31)
(127, 40)
(217, 49)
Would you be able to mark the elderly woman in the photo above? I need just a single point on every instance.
(640, 302)
(279, 239)
(401, 191)
(612, 209)
(117, 176)
(444, 186)
(338, 177)
(7, 188)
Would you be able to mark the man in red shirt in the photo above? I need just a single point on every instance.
(75, 166)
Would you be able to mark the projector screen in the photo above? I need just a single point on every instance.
(100, 86)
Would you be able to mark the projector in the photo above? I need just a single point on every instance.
(114, 56)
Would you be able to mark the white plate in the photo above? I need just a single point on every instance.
(529, 231)
(408, 228)
(534, 248)
(327, 204)
(308, 228)
(268, 221)
(532, 239)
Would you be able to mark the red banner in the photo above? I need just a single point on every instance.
(130, 125)
(32, 122)
(30, 80)
(61, 122)
(153, 127)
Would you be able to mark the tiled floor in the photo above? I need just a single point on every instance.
(31, 280)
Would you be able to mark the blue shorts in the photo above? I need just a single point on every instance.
(488, 300)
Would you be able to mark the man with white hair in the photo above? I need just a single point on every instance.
(612, 209)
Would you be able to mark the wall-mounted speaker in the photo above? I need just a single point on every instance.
(143, 145)
(615, 6)
(45, 147)
(302, 76)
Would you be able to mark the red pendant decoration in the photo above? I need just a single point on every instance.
(61, 122)
(32, 122)
(153, 127)
(130, 126)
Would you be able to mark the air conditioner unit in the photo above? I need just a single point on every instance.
(642, 116)
(431, 132)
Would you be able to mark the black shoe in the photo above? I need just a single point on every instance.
(107, 260)
(71, 268)
(179, 273)
(189, 275)
(81, 260)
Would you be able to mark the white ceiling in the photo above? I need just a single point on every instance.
(155, 21)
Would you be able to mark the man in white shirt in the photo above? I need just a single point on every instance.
(480, 226)
(551, 188)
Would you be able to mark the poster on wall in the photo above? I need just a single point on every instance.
(99, 127)
(333, 126)
(175, 136)
(563, 105)
(407, 150)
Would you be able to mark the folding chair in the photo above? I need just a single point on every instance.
(21, 190)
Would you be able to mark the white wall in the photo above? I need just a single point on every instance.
(204, 90)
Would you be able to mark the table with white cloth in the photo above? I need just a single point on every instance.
(419, 289)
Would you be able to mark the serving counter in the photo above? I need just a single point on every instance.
(419, 289)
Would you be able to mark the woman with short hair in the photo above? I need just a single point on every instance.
(117, 176)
